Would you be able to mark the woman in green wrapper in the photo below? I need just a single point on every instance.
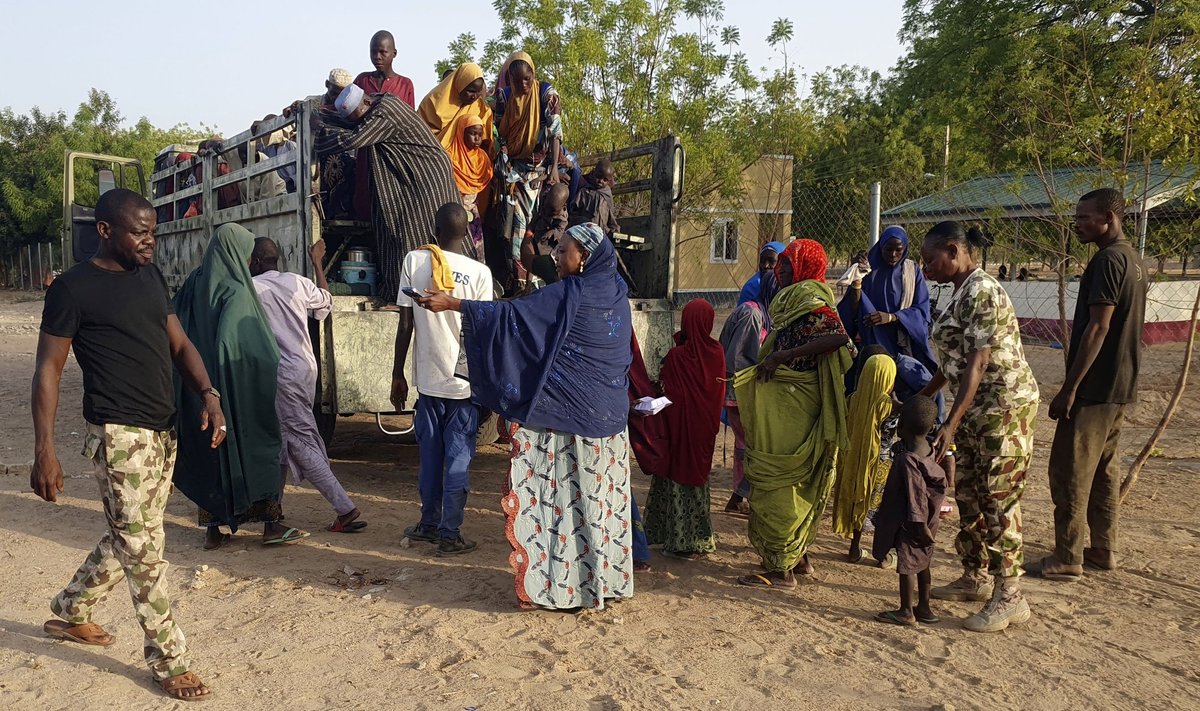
(793, 409)
(240, 482)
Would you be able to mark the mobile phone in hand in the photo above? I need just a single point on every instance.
(412, 293)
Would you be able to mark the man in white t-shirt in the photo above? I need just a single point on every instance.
(446, 420)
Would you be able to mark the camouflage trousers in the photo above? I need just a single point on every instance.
(134, 468)
(992, 459)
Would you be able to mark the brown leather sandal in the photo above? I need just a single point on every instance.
(175, 685)
(86, 633)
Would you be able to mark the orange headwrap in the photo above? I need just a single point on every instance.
(472, 168)
(808, 261)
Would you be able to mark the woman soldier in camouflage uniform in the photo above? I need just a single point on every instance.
(995, 405)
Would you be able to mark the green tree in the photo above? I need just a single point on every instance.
(31, 161)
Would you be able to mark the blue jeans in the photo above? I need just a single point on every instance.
(446, 432)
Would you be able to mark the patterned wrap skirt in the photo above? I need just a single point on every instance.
(568, 518)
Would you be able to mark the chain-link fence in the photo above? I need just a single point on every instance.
(1026, 221)
(31, 267)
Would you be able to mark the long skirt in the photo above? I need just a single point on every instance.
(568, 518)
(677, 516)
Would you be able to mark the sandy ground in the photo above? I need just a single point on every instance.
(362, 622)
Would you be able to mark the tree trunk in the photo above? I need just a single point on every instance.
(1136, 469)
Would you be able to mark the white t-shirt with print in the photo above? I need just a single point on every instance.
(437, 338)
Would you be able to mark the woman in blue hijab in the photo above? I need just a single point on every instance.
(891, 308)
(555, 363)
(767, 257)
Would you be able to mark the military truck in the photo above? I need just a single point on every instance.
(354, 346)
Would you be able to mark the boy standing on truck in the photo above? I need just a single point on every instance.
(114, 312)
(446, 421)
(287, 299)
(384, 80)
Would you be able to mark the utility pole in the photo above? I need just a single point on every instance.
(946, 160)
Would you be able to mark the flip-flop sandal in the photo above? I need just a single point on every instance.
(212, 546)
(754, 580)
(862, 555)
(88, 633)
(888, 563)
(1038, 570)
(182, 682)
(930, 620)
(891, 618)
(289, 536)
(354, 526)
(642, 567)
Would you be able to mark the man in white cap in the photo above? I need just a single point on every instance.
(410, 175)
(338, 80)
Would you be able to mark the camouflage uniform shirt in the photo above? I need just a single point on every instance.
(980, 315)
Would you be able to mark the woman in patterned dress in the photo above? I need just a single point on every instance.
(556, 363)
(991, 422)
(793, 408)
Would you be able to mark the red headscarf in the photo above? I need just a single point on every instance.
(808, 261)
(693, 378)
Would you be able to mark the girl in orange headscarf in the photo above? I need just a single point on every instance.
(471, 163)
(459, 95)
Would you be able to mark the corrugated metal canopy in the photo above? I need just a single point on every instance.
(1016, 195)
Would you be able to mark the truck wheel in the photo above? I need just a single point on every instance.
(487, 433)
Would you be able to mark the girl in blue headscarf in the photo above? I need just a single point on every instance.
(767, 257)
(891, 308)
(556, 363)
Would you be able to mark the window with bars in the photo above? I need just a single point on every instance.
(724, 241)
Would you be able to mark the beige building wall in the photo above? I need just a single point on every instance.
(717, 246)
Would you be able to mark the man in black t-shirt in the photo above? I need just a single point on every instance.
(1102, 373)
(114, 311)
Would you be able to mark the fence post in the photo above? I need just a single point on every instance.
(1142, 219)
(875, 190)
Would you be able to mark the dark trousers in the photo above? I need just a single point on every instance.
(1085, 479)
(445, 432)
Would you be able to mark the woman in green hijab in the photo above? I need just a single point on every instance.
(240, 482)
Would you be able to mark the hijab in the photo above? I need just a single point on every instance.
(557, 359)
(221, 314)
(472, 167)
(750, 289)
(522, 118)
(900, 290)
(442, 109)
(693, 379)
(808, 261)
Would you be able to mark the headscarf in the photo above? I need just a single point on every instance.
(220, 312)
(808, 261)
(522, 118)
(692, 378)
(442, 109)
(558, 358)
(900, 290)
(751, 288)
(589, 235)
(858, 467)
(472, 168)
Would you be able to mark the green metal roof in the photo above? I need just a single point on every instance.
(1014, 195)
